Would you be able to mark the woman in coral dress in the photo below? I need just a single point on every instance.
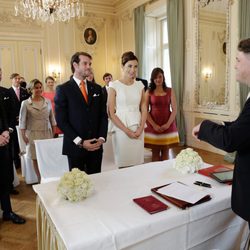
(161, 129)
(49, 93)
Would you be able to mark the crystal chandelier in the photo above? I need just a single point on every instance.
(50, 10)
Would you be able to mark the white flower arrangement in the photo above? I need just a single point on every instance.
(188, 161)
(75, 185)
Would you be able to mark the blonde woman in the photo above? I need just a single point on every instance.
(128, 112)
(36, 120)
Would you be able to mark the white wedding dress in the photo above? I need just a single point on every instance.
(127, 151)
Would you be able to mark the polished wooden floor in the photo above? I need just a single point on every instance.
(23, 237)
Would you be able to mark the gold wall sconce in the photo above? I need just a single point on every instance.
(55, 72)
(207, 73)
(56, 75)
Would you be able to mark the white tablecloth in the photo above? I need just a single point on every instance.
(110, 220)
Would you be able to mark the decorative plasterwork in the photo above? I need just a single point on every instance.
(9, 19)
(5, 17)
(127, 16)
(90, 20)
(204, 3)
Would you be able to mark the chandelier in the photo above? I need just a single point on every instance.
(49, 10)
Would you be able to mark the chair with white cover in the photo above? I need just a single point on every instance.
(27, 168)
(108, 161)
(52, 163)
(16, 181)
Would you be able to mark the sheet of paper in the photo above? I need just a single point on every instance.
(182, 192)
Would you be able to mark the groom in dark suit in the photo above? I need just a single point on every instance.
(81, 115)
(235, 136)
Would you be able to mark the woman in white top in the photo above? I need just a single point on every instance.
(128, 112)
(36, 120)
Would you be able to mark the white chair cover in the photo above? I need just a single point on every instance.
(16, 181)
(51, 163)
(108, 161)
(28, 171)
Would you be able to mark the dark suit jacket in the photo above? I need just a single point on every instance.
(234, 136)
(6, 169)
(7, 104)
(77, 118)
(105, 94)
(16, 104)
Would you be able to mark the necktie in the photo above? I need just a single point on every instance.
(17, 91)
(83, 90)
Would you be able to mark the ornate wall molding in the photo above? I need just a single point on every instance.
(127, 15)
(211, 105)
(7, 18)
(90, 20)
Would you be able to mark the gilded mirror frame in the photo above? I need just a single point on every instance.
(226, 48)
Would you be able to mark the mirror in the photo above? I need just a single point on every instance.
(212, 58)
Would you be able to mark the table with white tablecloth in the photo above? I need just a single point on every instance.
(110, 220)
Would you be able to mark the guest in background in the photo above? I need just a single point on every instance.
(36, 120)
(128, 113)
(161, 129)
(18, 94)
(7, 103)
(82, 116)
(107, 78)
(8, 108)
(6, 170)
(49, 93)
(23, 83)
(235, 136)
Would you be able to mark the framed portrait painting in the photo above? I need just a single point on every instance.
(90, 36)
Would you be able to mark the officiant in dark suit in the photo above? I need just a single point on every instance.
(81, 115)
(235, 136)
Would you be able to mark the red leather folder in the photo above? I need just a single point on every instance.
(214, 169)
(179, 203)
(151, 204)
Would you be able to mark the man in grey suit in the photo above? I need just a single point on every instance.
(235, 136)
(81, 115)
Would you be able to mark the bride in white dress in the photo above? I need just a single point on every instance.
(128, 113)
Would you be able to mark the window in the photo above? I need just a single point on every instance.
(156, 45)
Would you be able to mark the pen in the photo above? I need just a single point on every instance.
(203, 184)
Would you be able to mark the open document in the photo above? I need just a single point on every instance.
(182, 192)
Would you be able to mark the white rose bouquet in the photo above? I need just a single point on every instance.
(188, 161)
(75, 185)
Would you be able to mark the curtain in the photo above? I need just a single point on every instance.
(244, 32)
(175, 21)
(139, 23)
